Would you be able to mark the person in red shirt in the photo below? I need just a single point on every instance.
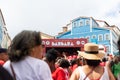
(50, 58)
(74, 64)
(62, 73)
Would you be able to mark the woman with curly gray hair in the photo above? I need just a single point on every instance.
(25, 53)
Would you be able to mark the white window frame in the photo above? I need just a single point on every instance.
(74, 24)
(81, 21)
(93, 36)
(88, 38)
(99, 37)
(105, 36)
(87, 22)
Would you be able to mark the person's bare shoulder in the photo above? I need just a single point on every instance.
(76, 74)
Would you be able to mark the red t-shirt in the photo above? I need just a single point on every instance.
(60, 74)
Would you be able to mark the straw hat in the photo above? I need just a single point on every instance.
(91, 51)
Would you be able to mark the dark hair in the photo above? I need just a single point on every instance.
(93, 63)
(116, 59)
(22, 44)
(104, 59)
(51, 55)
(72, 62)
(3, 50)
(64, 63)
(118, 44)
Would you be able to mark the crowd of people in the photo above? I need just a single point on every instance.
(24, 60)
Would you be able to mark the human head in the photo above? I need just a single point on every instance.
(91, 54)
(51, 55)
(64, 63)
(73, 61)
(104, 59)
(116, 59)
(25, 43)
(50, 58)
(3, 54)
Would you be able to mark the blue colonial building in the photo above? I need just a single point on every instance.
(96, 31)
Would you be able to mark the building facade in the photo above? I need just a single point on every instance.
(5, 39)
(96, 31)
(46, 36)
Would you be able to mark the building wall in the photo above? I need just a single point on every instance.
(114, 41)
(79, 25)
(87, 27)
(5, 39)
(1, 26)
(46, 36)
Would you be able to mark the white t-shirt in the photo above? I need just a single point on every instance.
(30, 68)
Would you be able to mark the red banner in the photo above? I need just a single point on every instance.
(64, 42)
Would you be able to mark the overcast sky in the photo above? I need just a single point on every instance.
(49, 16)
